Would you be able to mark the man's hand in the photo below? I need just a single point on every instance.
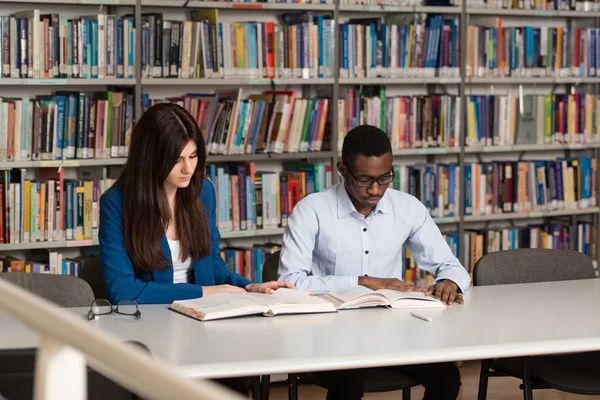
(268, 287)
(386, 283)
(446, 291)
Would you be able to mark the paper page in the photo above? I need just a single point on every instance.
(218, 305)
(284, 295)
(410, 299)
(350, 293)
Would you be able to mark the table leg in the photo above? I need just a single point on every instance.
(293, 387)
(264, 386)
(527, 389)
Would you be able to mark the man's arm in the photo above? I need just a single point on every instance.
(295, 265)
(431, 251)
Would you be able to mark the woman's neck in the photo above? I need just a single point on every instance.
(170, 192)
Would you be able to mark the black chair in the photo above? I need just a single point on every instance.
(17, 366)
(376, 380)
(91, 272)
(574, 373)
(17, 378)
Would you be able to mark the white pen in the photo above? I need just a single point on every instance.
(424, 318)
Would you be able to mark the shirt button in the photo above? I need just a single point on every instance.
(364, 229)
(367, 252)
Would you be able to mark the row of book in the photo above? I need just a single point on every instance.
(409, 121)
(50, 208)
(478, 243)
(582, 238)
(530, 51)
(540, 5)
(66, 126)
(248, 199)
(542, 119)
(502, 186)
(273, 122)
(249, 262)
(399, 3)
(436, 185)
(530, 186)
(42, 262)
(48, 46)
(298, 47)
(418, 45)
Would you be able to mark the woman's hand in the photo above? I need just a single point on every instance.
(268, 287)
(208, 290)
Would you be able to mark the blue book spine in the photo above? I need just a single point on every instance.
(69, 49)
(131, 38)
(345, 47)
(259, 263)
(468, 191)
(250, 208)
(451, 189)
(585, 165)
(120, 49)
(321, 36)
(60, 126)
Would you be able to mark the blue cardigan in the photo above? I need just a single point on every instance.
(123, 281)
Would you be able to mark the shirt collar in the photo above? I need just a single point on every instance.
(345, 206)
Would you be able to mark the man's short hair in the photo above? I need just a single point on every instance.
(365, 140)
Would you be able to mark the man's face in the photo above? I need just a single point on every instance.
(358, 178)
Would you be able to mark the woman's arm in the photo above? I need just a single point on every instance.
(117, 270)
(223, 275)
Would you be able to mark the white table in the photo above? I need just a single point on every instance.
(496, 321)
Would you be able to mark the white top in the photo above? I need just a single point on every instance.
(496, 321)
(327, 244)
(181, 269)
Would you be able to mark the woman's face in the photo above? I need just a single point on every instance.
(182, 172)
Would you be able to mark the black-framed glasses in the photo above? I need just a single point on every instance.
(364, 181)
(124, 307)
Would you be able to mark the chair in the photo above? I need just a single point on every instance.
(574, 373)
(17, 366)
(91, 272)
(377, 380)
(17, 378)
(63, 290)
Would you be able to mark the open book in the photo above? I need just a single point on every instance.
(360, 296)
(227, 305)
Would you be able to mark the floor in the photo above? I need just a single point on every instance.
(498, 389)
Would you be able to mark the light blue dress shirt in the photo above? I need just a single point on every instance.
(327, 244)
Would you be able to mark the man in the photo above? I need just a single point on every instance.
(353, 233)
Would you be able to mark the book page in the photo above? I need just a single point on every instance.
(283, 296)
(410, 299)
(350, 293)
(220, 305)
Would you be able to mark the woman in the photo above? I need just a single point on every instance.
(158, 235)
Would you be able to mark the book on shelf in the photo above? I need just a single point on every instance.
(51, 208)
(249, 262)
(555, 5)
(414, 275)
(494, 50)
(272, 122)
(42, 262)
(226, 305)
(581, 237)
(435, 185)
(248, 199)
(400, 46)
(50, 46)
(361, 296)
(298, 46)
(410, 121)
(530, 186)
(506, 120)
(66, 126)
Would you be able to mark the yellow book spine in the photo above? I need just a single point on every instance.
(88, 203)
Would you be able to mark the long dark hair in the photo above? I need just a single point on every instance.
(157, 141)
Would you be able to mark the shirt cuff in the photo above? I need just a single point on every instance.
(353, 281)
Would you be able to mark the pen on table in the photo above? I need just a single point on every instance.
(424, 318)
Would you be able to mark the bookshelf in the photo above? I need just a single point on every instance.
(461, 86)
